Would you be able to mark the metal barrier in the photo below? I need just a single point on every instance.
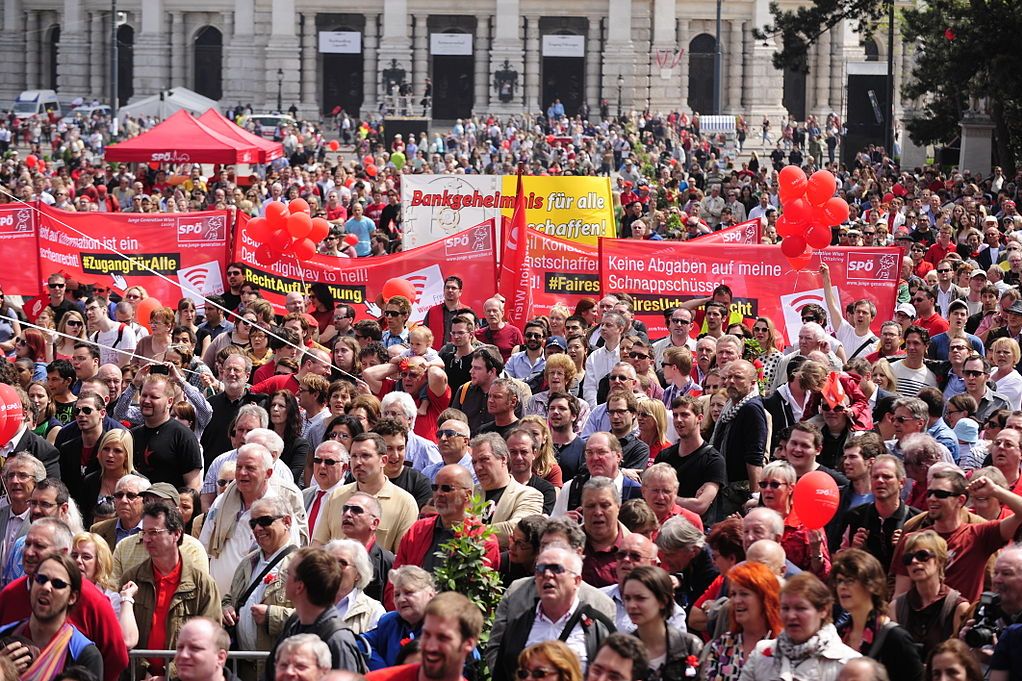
(234, 655)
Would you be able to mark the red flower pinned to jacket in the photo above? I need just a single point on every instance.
(406, 640)
(270, 578)
(949, 34)
(768, 652)
(692, 661)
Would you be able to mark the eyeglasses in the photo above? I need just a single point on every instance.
(391, 313)
(245, 322)
(352, 509)
(973, 373)
(130, 496)
(224, 483)
(638, 355)
(440, 434)
(56, 285)
(537, 673)
(153, 534)
(263, 520)
(84, 410)
(316, 461)
(905, 419)
(760, 329)
(617, 377)
(940, 493)
(535, 336)
(552, 568)
(43, 580)
(445, 488)
(675, 320)
(944, 270)
(838, 408)
(771, 484)
(73, 322)
(34, 503)
(921, 555)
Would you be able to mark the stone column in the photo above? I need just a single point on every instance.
(283, 51)
(532, 56)
(178, 57)
(664, 92)
(240, 54)
(507, 45)
(977, 143)
(481, 48)
(764, 96)
(684, 36)
(395, 43)
(310, 52)
(735, 64)
(13, 48)
(99, 55)
(32, 79)
(619, 54)
(899, 58)
(594, 48)
(421, 57)
(821, 75)
(72, 69)
(151, 59)
(370, 67)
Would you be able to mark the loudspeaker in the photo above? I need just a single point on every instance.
(866, 121)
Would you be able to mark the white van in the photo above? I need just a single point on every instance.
(36, 103)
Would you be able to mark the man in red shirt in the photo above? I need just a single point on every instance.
(969, 545)
(925, 302)
(92, 615)
(314, 361)
(450, 631)
(427, 386)
(498, 331)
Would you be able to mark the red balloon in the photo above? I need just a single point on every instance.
(334, 145)
(259, 229)
(371, 170)
(31, 160)
(815, 499)
(298, 206)
(155, 165)
(10, 408)
(836, 210)
(279, 241)
(793, 246)
(821, 186)
(304, 249)
(299, 225)
(799, 211)
(399, 287)
(802, 261)
(266, 255)
(793, 178)
(368, 160)
(320, 228)
(351, 240)
(818, 236)
(276, 214)
(145, 308)
(786, 227)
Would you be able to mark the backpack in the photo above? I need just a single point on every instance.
(120, 335)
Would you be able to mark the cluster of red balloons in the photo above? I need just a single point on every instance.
(11, 413)
(369, 163)
(287, 228)
(33, 161)
(810, 209)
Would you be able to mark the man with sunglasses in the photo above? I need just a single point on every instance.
(127, 520)
(527, 363)
(452, 439)
(56, 287)
(975, 372)
(80, 456)
(360, 518)
(969, 544)
(679, 326)
(256, 604)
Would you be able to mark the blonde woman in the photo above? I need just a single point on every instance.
(94, 559)
(155, 345)
(1005, 354)
(652, 415)
(116, 456)
(884, 377)
(545, 464)
(70, 331)
(559, 314)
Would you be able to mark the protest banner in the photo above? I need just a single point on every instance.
(748, 232)
(579, 209)
(21, 252)
(660, 275)
(191, 247)
(514, 278)
(469, 254)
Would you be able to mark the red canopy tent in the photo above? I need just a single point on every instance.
(182, 139)
(216, 121)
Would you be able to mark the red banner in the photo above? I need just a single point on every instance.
(513, 274)
(749, 232)
(21, 253)
(469, 254)
(181, 246)
(660, 275)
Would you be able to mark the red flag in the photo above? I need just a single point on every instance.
(515, 275)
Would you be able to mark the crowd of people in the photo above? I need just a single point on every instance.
(282, 480)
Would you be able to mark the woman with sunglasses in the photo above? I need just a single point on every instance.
(547, 661)
(32, 345)
(652, 417)
(70, 331)
(860, 584)
(770, 342)
(116, 459)
(754, 615)
(805, 548)
(648, 596)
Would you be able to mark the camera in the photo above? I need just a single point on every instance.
(988, 611)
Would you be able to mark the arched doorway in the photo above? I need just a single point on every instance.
(342, 71)
(564, 77)
(53, 55)
(700, 73)
(209, 51)
(453, 66)
(125, 64)
(872, 51)
(794, 98)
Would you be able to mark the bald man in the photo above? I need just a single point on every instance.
(769, 553)
(740, 435)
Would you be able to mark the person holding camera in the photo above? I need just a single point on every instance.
(995, 629)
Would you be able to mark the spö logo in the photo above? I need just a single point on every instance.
(871, 266)
(201, 229)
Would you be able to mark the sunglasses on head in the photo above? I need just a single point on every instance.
(921, 555)
(263, 521)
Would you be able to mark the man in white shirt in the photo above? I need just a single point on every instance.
(857, 338)
(603, 359)
(679, 324)
(109, 335)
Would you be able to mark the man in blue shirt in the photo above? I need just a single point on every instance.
(362, 227)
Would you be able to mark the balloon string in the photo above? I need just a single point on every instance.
(183, 285)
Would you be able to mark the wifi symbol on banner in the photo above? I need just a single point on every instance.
(419, 281)
(197, 278)
(801, 301)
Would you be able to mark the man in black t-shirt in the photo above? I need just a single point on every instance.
(701, 469)
(165, 449)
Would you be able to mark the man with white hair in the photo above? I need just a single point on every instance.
(358, 611)
(281, 481)
(765, 523)
(127, 520)
(329, 466)
(811, 337)
(249, 418)
(226, 533)
(421, 452)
